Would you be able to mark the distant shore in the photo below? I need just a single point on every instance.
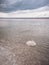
(26, 18)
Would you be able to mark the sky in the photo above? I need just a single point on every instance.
(24, 8)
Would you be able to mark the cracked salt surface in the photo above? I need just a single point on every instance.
(7, 57)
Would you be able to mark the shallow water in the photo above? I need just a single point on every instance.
(14, 33)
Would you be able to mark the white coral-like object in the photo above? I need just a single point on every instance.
(31, 43)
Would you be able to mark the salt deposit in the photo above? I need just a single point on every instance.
(31, 43)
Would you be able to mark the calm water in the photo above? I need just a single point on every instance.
(14, 33)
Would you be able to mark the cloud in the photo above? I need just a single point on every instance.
(8, 3)
(13, 5)
(40, 12)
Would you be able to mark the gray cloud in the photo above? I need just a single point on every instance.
(12, 5)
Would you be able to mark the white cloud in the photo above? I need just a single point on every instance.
(40, 12)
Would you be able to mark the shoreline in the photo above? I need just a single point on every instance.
(26, 18)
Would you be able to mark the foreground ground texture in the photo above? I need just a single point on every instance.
(13, 37)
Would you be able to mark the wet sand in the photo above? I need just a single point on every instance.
(14, 33)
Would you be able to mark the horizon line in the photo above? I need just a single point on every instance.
(24, 18)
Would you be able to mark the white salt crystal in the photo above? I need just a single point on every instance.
(31, 43)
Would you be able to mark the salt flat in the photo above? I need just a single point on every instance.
(14, 33)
